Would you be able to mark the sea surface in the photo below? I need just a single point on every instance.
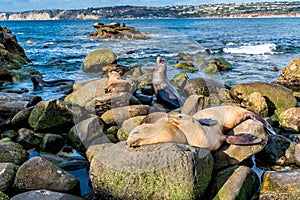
(254, 46)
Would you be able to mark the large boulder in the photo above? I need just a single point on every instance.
(290, 119)
(51, 116)
(159, 171)
(96, 61)
(229, 155)
(11, 152)
(38, 173)
(44, 195)
(290, 75)
(280, 185)
(277, 95)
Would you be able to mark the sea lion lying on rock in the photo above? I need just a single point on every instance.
(185, 129)
(116, 84)
(38, 82)
(164, 91)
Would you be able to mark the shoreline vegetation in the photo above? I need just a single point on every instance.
(236, 10)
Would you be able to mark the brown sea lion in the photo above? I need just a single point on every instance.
(38, 82)
(230, 116)
(164, 91)
(116, 84)
(185, 129)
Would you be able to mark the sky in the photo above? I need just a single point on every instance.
(24, 5)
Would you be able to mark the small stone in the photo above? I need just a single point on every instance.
(44, 195)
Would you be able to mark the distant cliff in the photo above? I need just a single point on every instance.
(265, 9)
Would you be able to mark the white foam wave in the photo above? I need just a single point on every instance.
(252, 49)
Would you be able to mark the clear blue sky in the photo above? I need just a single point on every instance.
(22, 5)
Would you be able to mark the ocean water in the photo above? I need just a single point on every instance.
(253, 46)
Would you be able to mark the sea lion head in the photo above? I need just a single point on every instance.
(161, 65)
(142, 135)
(114, 75)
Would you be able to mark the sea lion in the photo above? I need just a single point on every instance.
(38, 82)
(185, 129)
(164, 91)
(116, 84)
(230, 116)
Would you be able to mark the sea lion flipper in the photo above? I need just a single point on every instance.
(207, 122)
(164, 97)
(243, 139)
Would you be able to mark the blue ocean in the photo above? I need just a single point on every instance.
(254, 46)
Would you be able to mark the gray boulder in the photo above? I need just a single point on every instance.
(38, 173)
(11, 152)
(44, 195)
(159, 171)
(7, 175)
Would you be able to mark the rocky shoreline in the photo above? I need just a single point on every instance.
(38, 138)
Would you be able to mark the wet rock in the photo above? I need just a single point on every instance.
(100, 105)
(229, 155)
(185, 57)
(290, 119)
(85, 132)
(87, 91)
(160, 171)
(11, 152)
(52, 143)
(119, 115)
(115, 31)
(66, 163)
(211, 69)
(237, 182)
(277, 96)
(186, 66)
(11, 104)
(38, 173)
(28, 138)
(52, 116)
(221, 64)
(7, 175)
(278, 151)
(45, 195)
(20, 120)
(256, 103)
(289, 76)
(280, 185)
(193, 104)
(97, 60)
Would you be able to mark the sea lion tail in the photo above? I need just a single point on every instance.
(267, 126)
(242, 139)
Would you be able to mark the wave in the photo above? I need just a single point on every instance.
(268, 48)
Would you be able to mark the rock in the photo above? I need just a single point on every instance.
(256, 103)
(290, 119)
(38, 173)
(278, 151)
(11, 104)
(11, 152)
(280, 185)
(52, 143)
(237, 182)
(185, 57)
(7, 175)
(44, 195)
(115, 31)
(66, 163)
(96, 60)
(160, 171)
(85, 132)
(20, 120)
(278, 96)
(101, 104)
(186, 66)
(229, 155)
(290, 75)
(297, 154)
(221, 63)
(120, 114)
(211, 69)
(51, 116)
(28, 138)
(3, 196)
(127, 127)
(193, 104)
(87, 91)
